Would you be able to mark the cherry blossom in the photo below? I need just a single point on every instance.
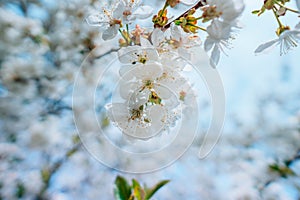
(183, 42)
(132, 10)
(287, 40)
(227, 11)
(135, 118)
(224, 16)
(109, 22)
(219, 35)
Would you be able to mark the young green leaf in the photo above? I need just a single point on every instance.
(138, 191)
(255, 12)
(122, 190)
(151, 191)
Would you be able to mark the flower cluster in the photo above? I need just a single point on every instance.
(287, 38)
(153, 91)
(43, 43)
(122, 12)
(152, 86)
(221, 17)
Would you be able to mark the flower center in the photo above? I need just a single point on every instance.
(126, 13)
(137, 113)
(141, 58)
(210, 12)
(112, 21)
(154, 98)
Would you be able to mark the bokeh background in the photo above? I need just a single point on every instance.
(42, 45)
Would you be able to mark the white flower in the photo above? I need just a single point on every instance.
(132, 10)
(183, 42)
(164, 83)
(142, 72)
(157, 37)
(137, 54)
(227, 11)
(287, 40)
(137, 120)
(219, 34)
(224, 15)
(108, 21)
(173, 40)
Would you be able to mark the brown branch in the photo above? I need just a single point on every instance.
(48, 172)
(198, 5)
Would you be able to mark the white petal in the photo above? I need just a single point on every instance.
(145, 42)
(118, 11)
(97, 20)
(131, 54)
(215, 56)
(127, 88)
(138, 98)
(218, 30)
(188, 2)
(266, 46)
(298, 4)
(192, 41)
(185, 53)
(143, 12)
(175, 32)
(148, 71)
(129, 127)
(297, 26)
(125, 71)
(110, 32)
(142, 133)
(127, 54)
(151, 53)
(157, 116)
(117, 112)
(172, 102)
(157, 37)
(163, 91)
(208, 44)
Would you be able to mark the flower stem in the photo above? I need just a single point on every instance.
(289, 9)
(277, 18)
(199, 27)
(164, 8)
(127, 28)
(125, 38)
(198, 5)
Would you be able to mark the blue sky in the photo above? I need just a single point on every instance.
(247, 76)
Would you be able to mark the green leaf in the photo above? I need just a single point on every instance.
(20, 190)
(123, 189)
(255, 12)
(151, 191)
(283, 171)
(138, 191)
